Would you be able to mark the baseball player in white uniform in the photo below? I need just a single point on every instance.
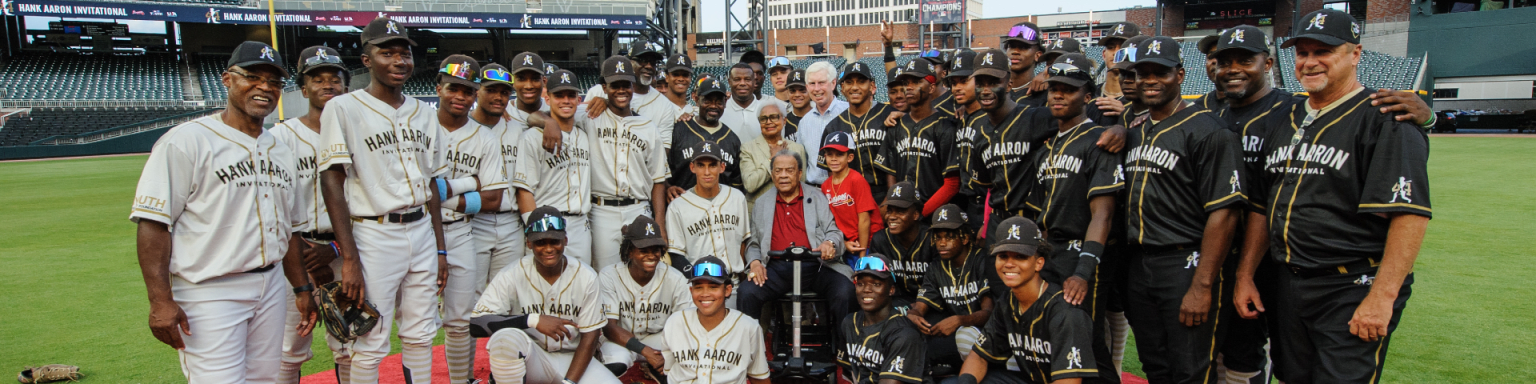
(563, 179)
(498, 230)
(321, 77)
(679, 79)
(380, 151)
(629, 172)
(474, 180)
(651, 103)
(710, 219)
(713, 344)
(544, 313)
(638, 296)
(216, 298)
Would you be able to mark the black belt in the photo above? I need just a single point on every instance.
(399, 218)
(606, 202)
(1362, 266)
(318, 236)
(457, 221)
(1156, 249)
(263, 268)
(571, 214)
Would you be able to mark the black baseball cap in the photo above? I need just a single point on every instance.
(992, 62)
(1018, 235)
(255, 53)
(618, 68)
(544, 222)
(1207, 45)
(796, 77)
(707, 85)
(1121, 31)
(550, 68)
(709, 269)
(562, 80)
(753, 56)
(840, 141)
(384, 29)
(963, 64)
(780, 62)
(1328, 26)
(644, 233)
(459, 69)
(640, 48)
(703, 149)
(320, 56)
(934, 56)
(1074, 69)
(527, 61)
(1131, 44)
(1161, 50)
(873, 264)
(679, 61)
(856, 68)
(891, 75)
(948, 216)
(496, 74)
(1245, 37)
(922, 69)
(1025, 32)
(902, 195)
(1060, 47)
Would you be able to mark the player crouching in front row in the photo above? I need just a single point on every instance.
(879, 344)
(639, 294)
(713, 344)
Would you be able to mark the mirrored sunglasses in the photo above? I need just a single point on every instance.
(496, 74)
(708, 270)
(871, 263)
(548, 223)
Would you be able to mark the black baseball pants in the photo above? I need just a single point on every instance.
(1171, 352)
(1312, 321)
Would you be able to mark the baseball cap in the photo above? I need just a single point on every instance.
(384, 29)
(709, 269)
(921, 69)
(873, 264)
(901, 195)
(679, 61)
(1126, 56)
(1161, 50)
(839, 140)
(644, 233)
(855, 68)
(495, 73)
(640, 48)
(1073, 69)
(545, 222)
(1060, 47)
(779, 62)
(254, 53)
(550, 68)
(1121, 31)
(933, 56)
(891, 75)
(964, 64)
(992, 62)
(319, 56)
(1016, 234)
(1207, 45)
(707, 85)
(527, 61)
(753, 56)
(703, 149)
(459, 69)
(618, 68)
(562, 80)
(1025, 32)
(1328, 26)
(796, 77)
(1246, 37)
(948, 216)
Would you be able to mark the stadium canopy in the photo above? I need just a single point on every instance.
(249, 15)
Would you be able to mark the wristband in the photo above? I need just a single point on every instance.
(533, 320)
(1431, 122)
(336, 249)
(310, 287)
(566, 381)
(442, 252)
(462, 185)
(890, 54)
(526, 215)
(635, 345)
(471, 202)
(442, 189)
(1088, 260)
(966, 378)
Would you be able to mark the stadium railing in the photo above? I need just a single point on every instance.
(27, 103)
(125, 130)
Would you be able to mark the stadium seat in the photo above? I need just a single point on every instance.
(69, 76)
(44, 122)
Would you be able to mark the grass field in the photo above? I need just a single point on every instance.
(73, 293)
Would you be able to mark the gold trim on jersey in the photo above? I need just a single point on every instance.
(1285, 229)
(1072, 135)
(1141, 196)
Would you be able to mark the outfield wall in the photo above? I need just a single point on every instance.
(136, 143)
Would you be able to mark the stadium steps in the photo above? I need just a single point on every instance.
(190, 80)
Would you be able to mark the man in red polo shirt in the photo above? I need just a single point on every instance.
(793, 217)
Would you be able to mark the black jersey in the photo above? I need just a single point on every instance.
(1023, 96)
(687, 133)
(1051, 340)
(922, 152)
(1002, 157)
(1072, 170)
(1326, 187)
(1213, 102)
(911, 261)
(955, 288)
(1252, 126)
(869, 136)
(791, 123)
(945, 104)
(888, 349)
(965, 145)
(1176, 172)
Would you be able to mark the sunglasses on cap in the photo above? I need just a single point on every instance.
(708, 270)
(321, 59)
(457, 70)
(1022, 32)
(1125, 54)
(1064, 69)
(933, 53)
(548, 223)
(496, 74)
(871, 263)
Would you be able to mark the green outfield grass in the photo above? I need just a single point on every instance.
(73, 293)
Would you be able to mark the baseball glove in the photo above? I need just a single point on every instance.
(49, 373)
(344, 320)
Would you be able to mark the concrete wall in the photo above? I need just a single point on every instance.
(135, 143)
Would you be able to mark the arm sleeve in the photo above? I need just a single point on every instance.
(759, 367)
(166, 183)
(591, 317)
(1397, 180)
(658, 157)
(886, 159)
(906, 355)
(993, 343)
(493, 174)
(333, 139)
(529, 148)
(948, 190)
(828, 225)
(1072, 339)
(754, 243)
(947, 146)
(754, 171)
(499, 297)
(1218, 156)
(1105, 175)
(437, 164)
(609, 286)
(864, 201)
(929, 293)
(676, 243)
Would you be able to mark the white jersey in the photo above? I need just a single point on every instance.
(655, 107)
(227, 198)
(743, 120)
(520, 290)
(563, 180)
(698, 227)
(643, 310)
(728, 354)
(687, 108)
(306, 182)
(510, 131)
(630, 155)
(391, 154)
(472, 151)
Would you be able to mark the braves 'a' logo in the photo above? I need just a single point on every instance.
(706, 147)
(896, 191)
(1402, 190)
(1119, 29)
(797, 76)
(1119, 174)
(897, 363)
(856, 67)
(957, 64)
(1365, 280)
(1075, 245)
(943, 214)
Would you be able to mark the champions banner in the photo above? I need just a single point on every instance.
(941, 11)
(241, 15)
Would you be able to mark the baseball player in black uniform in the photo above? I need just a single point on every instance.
(1346, 193)
(968, 116)
(1034, 325)
(922, 145)
(943, 101)
(1024, 47)
(905, 241)
(799, 102)
(879, 344)
(865, 120)
(957, 292)
(1184, 183)
(704, 127)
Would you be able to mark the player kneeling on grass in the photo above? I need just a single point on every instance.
(638, 297)
(713, 344)
(957, 292)
(1034, 325)
(879, 344)
(542, 314)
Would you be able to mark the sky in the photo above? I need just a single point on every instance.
(713, 11)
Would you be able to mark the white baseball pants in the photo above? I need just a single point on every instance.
(400, 269)
(237, 326)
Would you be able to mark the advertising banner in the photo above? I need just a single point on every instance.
(241, 15)
(941, 11)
